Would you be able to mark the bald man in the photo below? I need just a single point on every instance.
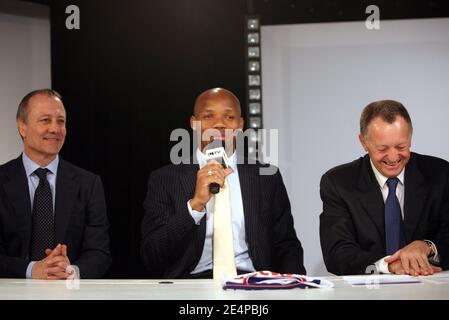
(177, 228)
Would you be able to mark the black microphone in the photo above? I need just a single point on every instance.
(216, 151)
(214, 188)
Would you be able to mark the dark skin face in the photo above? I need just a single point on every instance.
(217, 109)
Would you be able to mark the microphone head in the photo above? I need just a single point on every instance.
(214, 188)
(216, 142)
(215, 150)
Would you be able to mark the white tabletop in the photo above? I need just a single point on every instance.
(433, 287)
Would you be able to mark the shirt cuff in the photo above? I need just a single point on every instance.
(28, 273)
(196, 215)
(382, 266)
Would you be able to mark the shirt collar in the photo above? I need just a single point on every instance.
(381, 179)
(31, 166)
(201, 157)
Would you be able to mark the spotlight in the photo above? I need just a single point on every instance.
(253, 24)
(254, 66)
(254, 80)
(254, 108)
(253, 137)
(255, 122)
(254, 94)
(253, 38)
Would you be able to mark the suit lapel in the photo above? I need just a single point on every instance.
(18, 192)
(415, 197)
(67, 187)
(371, 197)
(249, 187)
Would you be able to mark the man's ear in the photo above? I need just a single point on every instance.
(241, 123)
(21, 127)
(363, 142)
(192, 124)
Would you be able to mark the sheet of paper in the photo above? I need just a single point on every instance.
(371, 279)
(439, 278)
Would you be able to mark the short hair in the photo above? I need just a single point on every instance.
(22, 110)
(387, 110)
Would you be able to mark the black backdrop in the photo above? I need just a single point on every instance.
(130, 75)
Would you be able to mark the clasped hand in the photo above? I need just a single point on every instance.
(54, 266)
(412, 260)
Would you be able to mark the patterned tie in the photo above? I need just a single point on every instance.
(393, 218)
(223, 241)
(42, 234)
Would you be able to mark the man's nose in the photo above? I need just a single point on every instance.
(393, 155)
(219, 123)
(54, 127)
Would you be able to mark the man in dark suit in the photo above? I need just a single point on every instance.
(52, 213)
(388, 211)
(177, 228)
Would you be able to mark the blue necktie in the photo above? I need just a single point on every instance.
(393, 218)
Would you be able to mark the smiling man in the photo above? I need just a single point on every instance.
(52, 213)
(178, 225)
(388, 211)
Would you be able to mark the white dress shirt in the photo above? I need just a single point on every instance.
(242, 259)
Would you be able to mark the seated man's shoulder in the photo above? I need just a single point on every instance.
(82, 173)
(347, 170)
(5, 167)
(264, 169)
(9, 169)
(173, 170)
(431, 161)
(430, 166)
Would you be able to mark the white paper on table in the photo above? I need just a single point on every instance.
(371, 279)
(438, 278)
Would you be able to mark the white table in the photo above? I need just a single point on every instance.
(23, 289)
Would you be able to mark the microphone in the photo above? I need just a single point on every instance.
(216, 151)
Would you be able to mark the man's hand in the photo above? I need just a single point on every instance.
(54, 266)
(57, 266)
(204, 179)
(412, 260)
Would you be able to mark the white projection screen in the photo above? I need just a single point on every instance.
(316, 80)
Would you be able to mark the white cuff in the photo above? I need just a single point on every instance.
(382, 266)
(196, 215)
(29, 274)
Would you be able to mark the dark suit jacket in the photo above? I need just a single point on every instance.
(80, 219)
(172, 243)
(352, 225)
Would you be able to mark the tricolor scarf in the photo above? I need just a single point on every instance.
(261, 280)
